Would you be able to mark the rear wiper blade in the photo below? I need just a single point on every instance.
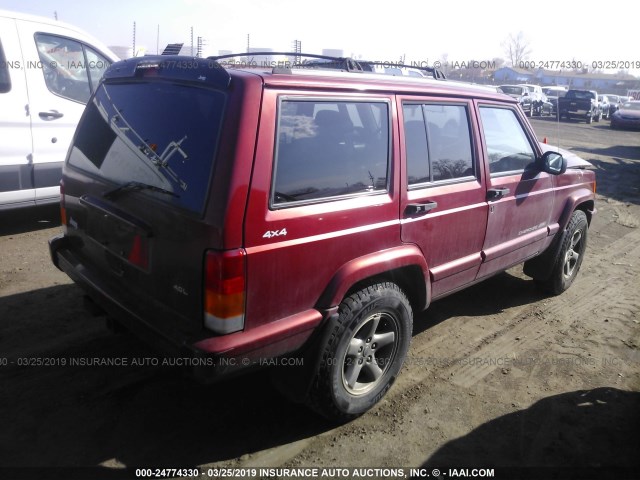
(131, 186)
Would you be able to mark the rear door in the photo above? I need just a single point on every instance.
(520, 196)
(136, 188)
(443, 207)
(61, 74)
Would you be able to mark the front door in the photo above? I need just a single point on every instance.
(61, 73)
(520, 196)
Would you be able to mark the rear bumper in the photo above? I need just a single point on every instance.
(205, 357)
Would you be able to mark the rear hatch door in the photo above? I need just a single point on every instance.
(137, 183)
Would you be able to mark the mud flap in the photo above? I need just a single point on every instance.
(294, 383)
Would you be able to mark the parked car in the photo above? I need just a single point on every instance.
(627, 116)
(305, 214)
(522, 95)
(581, 104)
(603, 101)
(48, 70)
(541, 105)
(614, 103)
(552, 94)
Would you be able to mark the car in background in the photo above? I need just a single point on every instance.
(541, 106)
(627, 116)
(614, 103)
(553, 93)
(581, 104)
(522, 95)
(603, 100)
(48, 71)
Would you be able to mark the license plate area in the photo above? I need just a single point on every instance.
(125, 240)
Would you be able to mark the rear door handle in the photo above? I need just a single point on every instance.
(497, 193)
(420, 208)
(50, 115)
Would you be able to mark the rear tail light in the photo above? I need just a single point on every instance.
(224, 291)
(63, 209)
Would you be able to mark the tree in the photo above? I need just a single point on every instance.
(517, 49)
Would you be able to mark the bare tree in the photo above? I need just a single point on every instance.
(517, 49)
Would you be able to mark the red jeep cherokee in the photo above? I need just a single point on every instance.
(238, 215)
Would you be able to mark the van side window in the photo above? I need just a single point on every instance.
(437, 143)
(507, 145)
(5, 79)
(329, 149)
(71, 69)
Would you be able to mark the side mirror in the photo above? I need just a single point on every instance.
(553, 163)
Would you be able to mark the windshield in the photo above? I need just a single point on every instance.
(509, 90)
(159, 134)
(580, 94)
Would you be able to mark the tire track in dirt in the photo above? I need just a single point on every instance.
(523, 326)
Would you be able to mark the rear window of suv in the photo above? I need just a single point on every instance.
(159, 134)
(327, 150)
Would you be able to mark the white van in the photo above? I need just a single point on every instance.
(48, 70)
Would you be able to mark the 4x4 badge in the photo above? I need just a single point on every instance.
(275, 233)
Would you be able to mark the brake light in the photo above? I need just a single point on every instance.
(224, 291)
(139, 254)
(63, 209)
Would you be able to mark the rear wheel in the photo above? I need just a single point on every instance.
(363, 353)
(569, 258)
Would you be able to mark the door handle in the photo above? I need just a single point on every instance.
(497, 193)
(50, 115)
(420, 208)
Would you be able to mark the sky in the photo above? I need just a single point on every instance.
(420, 31)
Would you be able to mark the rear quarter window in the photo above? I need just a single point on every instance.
(330, 149)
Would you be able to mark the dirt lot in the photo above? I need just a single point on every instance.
(498, 375)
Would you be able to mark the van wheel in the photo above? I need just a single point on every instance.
(362, 353)
(569, 258)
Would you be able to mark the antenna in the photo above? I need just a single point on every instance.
(134, 39)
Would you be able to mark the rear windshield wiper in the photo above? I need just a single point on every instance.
(131, 186)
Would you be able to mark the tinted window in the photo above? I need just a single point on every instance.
(160, 134)
(437, 143)
(330, 148)
(507, 145)
(5, 79)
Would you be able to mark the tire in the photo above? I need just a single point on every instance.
(362, 353)
(567, 262)
(599, 117)
(590, 119)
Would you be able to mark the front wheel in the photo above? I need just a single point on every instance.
(569, 258)
(362, 352)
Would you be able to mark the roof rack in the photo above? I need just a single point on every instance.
(343, 63)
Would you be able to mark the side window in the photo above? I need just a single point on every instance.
(64, 67)
(438, 143)
(329, 149)
(5, 79)
(508, 147)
